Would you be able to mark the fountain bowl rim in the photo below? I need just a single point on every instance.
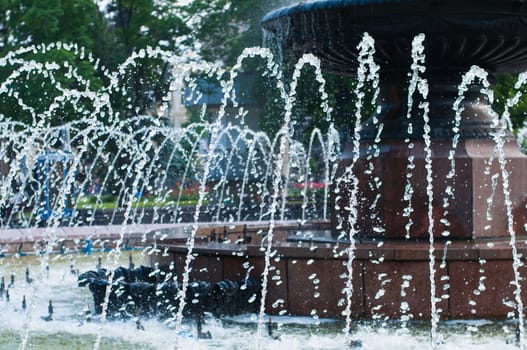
(492, 35)
(510, 6)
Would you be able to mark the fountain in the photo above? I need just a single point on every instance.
(436, 155)
(428, 198)
(423, 215)
(458, 36)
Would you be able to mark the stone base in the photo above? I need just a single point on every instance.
(474, 279)
(468, 211)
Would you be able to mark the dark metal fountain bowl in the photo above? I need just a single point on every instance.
(488, 33)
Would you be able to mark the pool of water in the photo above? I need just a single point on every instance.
(70, 329)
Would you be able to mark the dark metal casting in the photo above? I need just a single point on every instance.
(488, 33)
(144, 291)
(459, 34)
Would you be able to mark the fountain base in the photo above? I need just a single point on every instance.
(475, 208)
(391, 279)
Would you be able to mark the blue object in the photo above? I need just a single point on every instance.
(106, 248)
(87, 248)
(44, 161)
(183, 333)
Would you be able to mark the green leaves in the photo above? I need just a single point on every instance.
(503, 91)
(227, 27)
(42, 20)
(35, 82)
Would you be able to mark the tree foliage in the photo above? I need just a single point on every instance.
(110, 35)
(30, 79)
(213, 30)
